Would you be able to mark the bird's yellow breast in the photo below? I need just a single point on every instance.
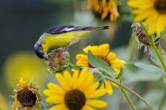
(62, 40)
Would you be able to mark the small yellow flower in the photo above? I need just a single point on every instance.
(26, 96)
(102, 52)
(76, 92)
(104, 8)
(152, 11)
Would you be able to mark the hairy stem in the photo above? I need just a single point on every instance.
(152, 44)
(127, 97)
(131, 49)
(131, 91)
(162, 101)
(163, 36)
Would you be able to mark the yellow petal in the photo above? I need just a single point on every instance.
(93, 49)
(55, 99)
(97, 93)
(82, 60)
(105, 12)
(139, 3)
(79, 56)
(62, 81)
(114, 84)
(57, 89)
(22, 83)
(161, 22)
(96, 103)
(117, 71)
(82, 78)
(86, 107)
(49, 92)
(75, 78)
(68, 79)
(117, 63)
(87, 83)
(111, 56)
(142, 16)
(92, 88)
(103, 49)
(108, 87)
(90, 2)
(58, 107)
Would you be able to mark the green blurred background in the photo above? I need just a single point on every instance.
(23, 21)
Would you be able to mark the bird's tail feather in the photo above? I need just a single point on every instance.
(95, 28)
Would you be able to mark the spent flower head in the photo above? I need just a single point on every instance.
(105, 8)
(58, 60)
(27, 96)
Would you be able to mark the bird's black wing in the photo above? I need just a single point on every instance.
(64, 29)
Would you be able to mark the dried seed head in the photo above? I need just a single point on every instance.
(58, 60)
(139, 32)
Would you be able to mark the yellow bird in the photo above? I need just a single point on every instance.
(61, 36)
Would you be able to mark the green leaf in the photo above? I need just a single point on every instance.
(141, 71)
(120, 74)
(98, 63)
(154, 57)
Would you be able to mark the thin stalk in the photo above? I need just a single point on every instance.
(162, 101)
(127, 97)
(131, 91)
(163, 36)
(131, 49)
(152, 44)
(105, 73)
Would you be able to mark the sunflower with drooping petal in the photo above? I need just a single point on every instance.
(27, 96)
(152, 11)
(105, 8)
(76, 92)
(102, 52)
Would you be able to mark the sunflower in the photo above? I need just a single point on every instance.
(102, 52)
(26, 96)
(104, 8)
(76, 92)
(152, 11)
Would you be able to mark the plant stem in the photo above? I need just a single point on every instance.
(127, 97)
(163, 36)
(131, 49)
(131, 91)
(162, 101)
(152, 44)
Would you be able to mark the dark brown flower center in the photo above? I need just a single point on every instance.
(26, 97)
(160, 6)
(102, 58)
(75, 99)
